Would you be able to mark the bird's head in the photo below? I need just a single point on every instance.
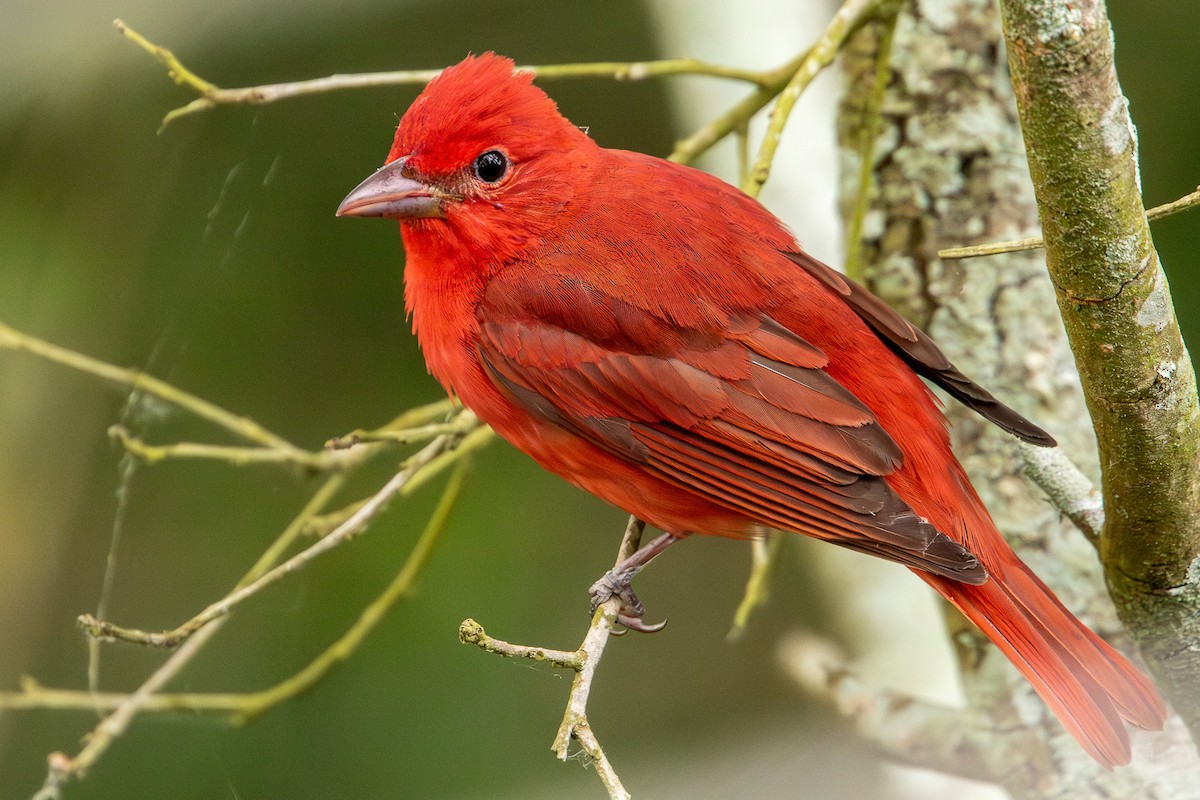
(481, 158)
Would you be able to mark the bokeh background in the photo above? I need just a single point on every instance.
(208, 254)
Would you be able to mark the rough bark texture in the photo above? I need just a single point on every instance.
(949, 169)
(1137, 377)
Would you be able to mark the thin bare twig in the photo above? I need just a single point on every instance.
(242, 427)
(232, 454)
(435, 456)
(63, 768)
(471, 632)
(764, 554)
(419, 433)
(245, 706)
(849, 18)
(768, 84)
(737, 117)
(212, 95)
(584, 661)
(1034, 242)
(418, 469)
(872, 119)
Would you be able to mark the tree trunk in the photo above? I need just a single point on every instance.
(1137, 376)
(948, 168)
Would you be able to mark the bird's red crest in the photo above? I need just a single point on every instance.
(479, 103)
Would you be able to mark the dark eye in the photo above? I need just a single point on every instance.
(490, 166)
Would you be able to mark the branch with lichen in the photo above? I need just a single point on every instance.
(583, 661)
(944, 176)
(904, 728)
(1137, 376)
(1066, 487)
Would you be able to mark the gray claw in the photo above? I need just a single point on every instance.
(636, 624)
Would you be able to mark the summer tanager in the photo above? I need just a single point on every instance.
(659, 339)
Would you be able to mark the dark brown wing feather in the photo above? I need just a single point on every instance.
(921, 353)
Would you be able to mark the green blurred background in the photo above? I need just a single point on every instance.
(210, 256)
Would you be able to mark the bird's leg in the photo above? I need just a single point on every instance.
(616, 583)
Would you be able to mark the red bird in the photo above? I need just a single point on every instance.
(659, 339)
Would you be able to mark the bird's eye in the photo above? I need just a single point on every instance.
(490, 166)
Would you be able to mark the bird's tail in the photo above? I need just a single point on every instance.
(1088, 684)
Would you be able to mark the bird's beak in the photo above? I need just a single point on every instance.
(389, 193)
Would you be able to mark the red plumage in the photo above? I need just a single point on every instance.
(657, 338)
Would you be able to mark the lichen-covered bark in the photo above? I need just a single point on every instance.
(949, 169)
(1137, 376)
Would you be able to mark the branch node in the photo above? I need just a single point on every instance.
(471, 632)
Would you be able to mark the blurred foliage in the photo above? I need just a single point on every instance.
(210, 256)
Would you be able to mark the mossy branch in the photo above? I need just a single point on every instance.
(1136, 373)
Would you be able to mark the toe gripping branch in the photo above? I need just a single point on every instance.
(617, 582)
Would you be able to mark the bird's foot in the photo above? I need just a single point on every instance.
(617, 583)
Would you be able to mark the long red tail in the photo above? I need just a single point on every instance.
(1089, 685)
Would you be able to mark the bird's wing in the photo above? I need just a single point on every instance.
(920, 352)
(742, 412)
